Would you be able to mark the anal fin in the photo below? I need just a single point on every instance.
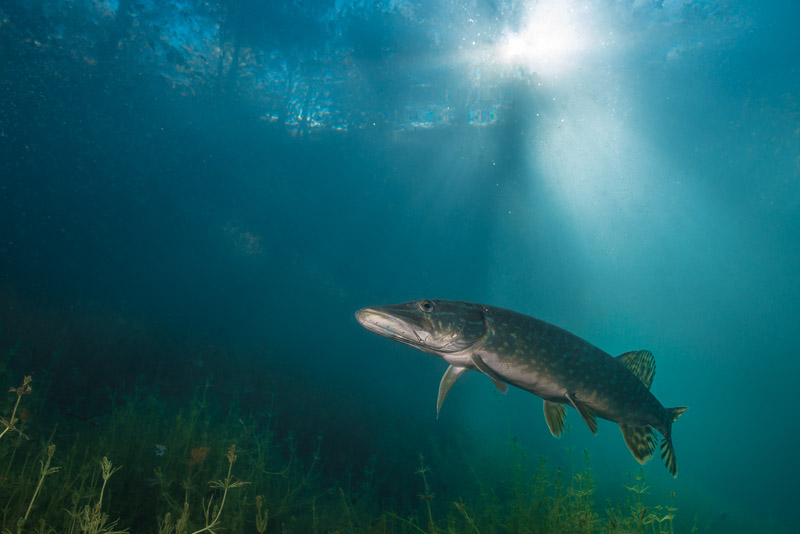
(488, 371)
(449, 378)
(554, 414)
(587, 414)
(641, 440)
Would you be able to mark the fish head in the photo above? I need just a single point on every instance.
(440, 327)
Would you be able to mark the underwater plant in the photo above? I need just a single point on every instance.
(45, 471)
(199, 468)
(9, 424)
(212, 518)
(92, 519)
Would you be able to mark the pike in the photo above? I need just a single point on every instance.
(543, 359)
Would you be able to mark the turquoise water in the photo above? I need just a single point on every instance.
(206, 192)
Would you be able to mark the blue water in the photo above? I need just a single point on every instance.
(192, 189)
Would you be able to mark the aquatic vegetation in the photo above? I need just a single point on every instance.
(44, 472)
(426, 497)
(9, 424)
(92, 519)
(262, 515)
(201, 469)
(225, 485)
(198, 455)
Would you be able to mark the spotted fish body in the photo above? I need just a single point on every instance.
(560, 367)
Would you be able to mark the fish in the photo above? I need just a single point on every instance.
(563, 369)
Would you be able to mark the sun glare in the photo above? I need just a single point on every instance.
(552, 39)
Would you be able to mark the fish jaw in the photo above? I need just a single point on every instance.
(449, 329)
(390, 323)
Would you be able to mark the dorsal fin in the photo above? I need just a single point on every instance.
(641, 363)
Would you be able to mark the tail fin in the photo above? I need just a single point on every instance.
(667, 450)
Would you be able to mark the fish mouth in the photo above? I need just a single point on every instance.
(389, 324)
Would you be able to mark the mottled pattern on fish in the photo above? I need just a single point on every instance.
(560, 367)
(550, 362)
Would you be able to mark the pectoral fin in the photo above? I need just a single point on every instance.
(641, 441)
(488, 371)
(586, 412)
(449, 378)
(554, 414)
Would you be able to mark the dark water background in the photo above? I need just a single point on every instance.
(181, 203)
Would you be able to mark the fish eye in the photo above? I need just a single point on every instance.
(426, 306)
